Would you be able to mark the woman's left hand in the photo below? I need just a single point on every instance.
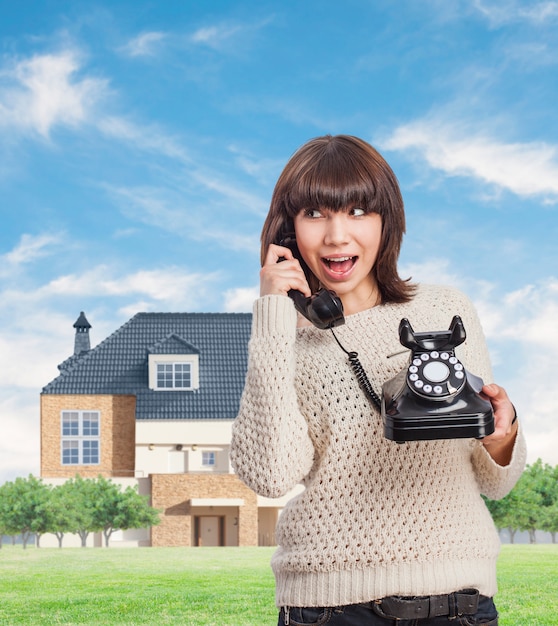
(500, 443)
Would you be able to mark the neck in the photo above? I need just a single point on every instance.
(356, 302)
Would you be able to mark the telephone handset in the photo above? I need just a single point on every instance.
(435, 397)
(323, 308)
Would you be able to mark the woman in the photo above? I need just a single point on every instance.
(383, 531)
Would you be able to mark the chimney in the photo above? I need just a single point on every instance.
(81, 342)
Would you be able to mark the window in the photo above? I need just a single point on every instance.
(208, 459)
(174, 375)
(80, 438)
(174, 371)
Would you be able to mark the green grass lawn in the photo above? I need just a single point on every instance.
(208, 586)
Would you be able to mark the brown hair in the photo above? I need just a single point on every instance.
(336, 173)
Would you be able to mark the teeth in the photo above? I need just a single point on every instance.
(338, 259)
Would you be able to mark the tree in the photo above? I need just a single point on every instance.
(42, 522)
(528, 502)
(63, 511)
(538, 485)
(135, 511)
(21, 504)
(549, 513)
(531, 505)
(3, 515)
(502, 512)
(117, 510)
(80, 494)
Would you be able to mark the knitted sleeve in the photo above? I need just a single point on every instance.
(271, 450)
(494, 480)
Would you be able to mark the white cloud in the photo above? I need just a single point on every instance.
(234, 195)
(20, 449)
(525, 169)
(241, 300)
(527, 316)
(214, 36)
(41, 92)
(29, 248)
(147, 138)
(499, 13)
(227, 35)
(171, 287)
(524, 330)
(433, 271)
(264, 170)
(165, 209)
(33, 341)
(146, 44)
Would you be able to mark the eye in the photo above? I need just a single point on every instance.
(312, 213)
(357, 211)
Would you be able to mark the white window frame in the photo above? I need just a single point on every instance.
(174, 371)
(172, 360)
(80, 432)
(209, 458)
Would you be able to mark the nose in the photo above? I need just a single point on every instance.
(337, 229)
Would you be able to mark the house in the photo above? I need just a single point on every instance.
(152, 406)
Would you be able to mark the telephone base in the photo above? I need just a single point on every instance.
(435, 397)
(427, 425)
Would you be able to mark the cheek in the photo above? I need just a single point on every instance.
(374, 240)
(305, 239)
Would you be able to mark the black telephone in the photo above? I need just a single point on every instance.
(323, 308)
(434, 397)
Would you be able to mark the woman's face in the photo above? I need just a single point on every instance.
(341, 249)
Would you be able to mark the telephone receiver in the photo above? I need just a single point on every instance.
(323, 308)
(434, 396)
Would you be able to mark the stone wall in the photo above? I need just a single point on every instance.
(172, 493)
(117, 435)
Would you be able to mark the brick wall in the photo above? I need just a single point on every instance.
(171, 493)
(117, 435)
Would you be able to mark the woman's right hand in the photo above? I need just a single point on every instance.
(282, 272)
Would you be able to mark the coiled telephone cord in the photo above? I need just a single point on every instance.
(360, 374)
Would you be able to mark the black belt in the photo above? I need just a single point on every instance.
(464, 602)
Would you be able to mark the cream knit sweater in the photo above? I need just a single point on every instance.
(376, 518)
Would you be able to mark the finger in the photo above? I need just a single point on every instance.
(275, 253)
(280, 278)
(494, 391)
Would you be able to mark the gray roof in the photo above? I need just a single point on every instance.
(119, 364)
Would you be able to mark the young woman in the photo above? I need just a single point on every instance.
(383, 532)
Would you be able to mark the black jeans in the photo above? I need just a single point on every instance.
(361, 615)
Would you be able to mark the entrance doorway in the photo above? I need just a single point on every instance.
(209, 530)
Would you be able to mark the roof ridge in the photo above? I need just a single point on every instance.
(166, 339)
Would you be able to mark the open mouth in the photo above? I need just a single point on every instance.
(340, 265)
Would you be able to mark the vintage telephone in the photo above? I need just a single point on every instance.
(434, 397)
(323, 308)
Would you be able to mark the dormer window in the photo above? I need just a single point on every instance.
(174, 375)
(173, 365)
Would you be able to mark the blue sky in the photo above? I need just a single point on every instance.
(140, 143)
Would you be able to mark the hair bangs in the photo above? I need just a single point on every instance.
(337, 182)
